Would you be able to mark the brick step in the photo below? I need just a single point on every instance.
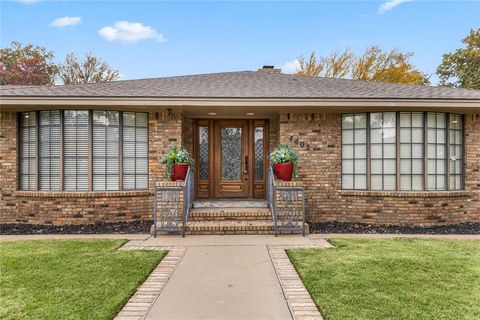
(230, 227)
(222, 214)
(230, 203)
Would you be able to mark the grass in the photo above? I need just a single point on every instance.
(69, 279)
(393, 278)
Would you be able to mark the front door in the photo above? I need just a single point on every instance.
(230, 158)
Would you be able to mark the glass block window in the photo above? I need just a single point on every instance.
(135, 150)
(383, 151)
(76, 150)
(259, 146)
(106, 150)
(437, 143)
(354, 151)
(49, 145)
(28, 151)
(203, 153)
(456, 151)
(411, 150)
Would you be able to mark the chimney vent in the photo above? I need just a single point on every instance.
(270, 69)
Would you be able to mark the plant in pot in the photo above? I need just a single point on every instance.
(176, 161)
(284, 162)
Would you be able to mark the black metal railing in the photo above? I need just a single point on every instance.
(172, 205)
(287, 204)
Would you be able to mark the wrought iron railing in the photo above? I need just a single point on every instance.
(171, 206)
(287, 204)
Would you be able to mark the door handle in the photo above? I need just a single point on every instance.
(246, 165)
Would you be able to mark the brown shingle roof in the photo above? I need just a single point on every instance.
(244, 84)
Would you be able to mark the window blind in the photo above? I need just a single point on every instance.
(106, 150)
(28, 151)
(76, 149)
(49, 150)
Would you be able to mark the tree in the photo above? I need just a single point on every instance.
(393, 66)
(374, 64)
(26, 65)
(336, 65)
(90, 70)
(462, 67)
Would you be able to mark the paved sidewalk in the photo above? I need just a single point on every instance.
(222, 282)
(224, 277)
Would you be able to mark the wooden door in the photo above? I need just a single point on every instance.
(231, 159)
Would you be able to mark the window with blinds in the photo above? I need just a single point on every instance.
(106, 155)
(49, 155)
(28, 151)
(135, 150)
(76, 150)
(101, 150)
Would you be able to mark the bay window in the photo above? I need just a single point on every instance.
(81, 150)
(406, 151)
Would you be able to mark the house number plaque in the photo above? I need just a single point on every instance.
(301, 144)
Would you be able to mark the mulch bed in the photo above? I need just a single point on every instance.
(97, 228)
(364, 228)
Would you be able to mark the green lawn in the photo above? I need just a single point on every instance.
(393, 278)
(69, 279)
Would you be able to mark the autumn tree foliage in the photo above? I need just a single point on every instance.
(462, 67)
(393, 66)
(374, 64)
(90, 70)
(335, 65)
(26, 65)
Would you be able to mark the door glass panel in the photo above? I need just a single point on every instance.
(231, 154)
(259, 153)
(203, 153)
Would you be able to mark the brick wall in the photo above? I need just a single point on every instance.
(8, 165)
(82, 207)
(187, 134)
(320, 171)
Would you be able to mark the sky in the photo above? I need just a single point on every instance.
(144, 39)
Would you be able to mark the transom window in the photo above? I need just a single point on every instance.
(82, 150)
(409, 151)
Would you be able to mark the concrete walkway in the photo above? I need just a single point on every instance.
(224, 277)
(222, 282)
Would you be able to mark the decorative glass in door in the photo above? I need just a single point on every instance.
(231, 153)
(203, 153)
(258, 150)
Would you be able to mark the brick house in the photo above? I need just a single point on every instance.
(370, 152)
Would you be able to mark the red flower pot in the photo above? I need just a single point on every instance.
(179, 171)
(283, 171)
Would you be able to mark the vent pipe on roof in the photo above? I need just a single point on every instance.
(270, 69)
